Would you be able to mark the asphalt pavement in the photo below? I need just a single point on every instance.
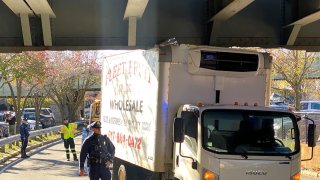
(46, 163)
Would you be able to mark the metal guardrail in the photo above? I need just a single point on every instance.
(16, 138)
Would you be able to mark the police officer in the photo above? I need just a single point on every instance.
(24, 134)
(100, 152)
(67, 134)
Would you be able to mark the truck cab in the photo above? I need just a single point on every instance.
(224, 142)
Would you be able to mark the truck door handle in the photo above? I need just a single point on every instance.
(177, 160)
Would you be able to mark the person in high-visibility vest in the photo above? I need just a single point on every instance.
(67, 134)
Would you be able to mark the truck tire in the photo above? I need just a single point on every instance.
(122, 175)
(122, 169)
(115, 169)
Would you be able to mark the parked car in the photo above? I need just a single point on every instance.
(44, 111)
(310, 106)
(280, 105)
(32, 125)
(45, 120)
(4, 127)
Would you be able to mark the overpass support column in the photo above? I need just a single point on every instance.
(294, 34)
(46, 29)
(132, 31)
(26, 33)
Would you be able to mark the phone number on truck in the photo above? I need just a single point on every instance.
(124, 139)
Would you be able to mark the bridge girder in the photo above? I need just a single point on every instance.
(110, 24)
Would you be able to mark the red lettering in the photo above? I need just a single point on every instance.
(130, 141)
(138, 143)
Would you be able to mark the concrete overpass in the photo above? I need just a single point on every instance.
(110, 24)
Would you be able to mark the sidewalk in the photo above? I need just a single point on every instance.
(44, 164)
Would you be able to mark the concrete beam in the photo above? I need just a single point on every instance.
(297, 25)
(135, 8)
(26, 33)
(18, 7)
(231, 9)
(308, 19)
(40, 7)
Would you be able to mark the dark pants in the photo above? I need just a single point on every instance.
(69, 143)
(24, 142)
(99, 170)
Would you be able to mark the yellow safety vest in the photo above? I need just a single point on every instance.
(68, 132)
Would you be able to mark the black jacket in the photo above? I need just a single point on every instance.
(97, 146)
(24, 132)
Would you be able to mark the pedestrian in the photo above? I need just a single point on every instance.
(24, 134)
(85, 131)
(100, 152)
(67, 134)
(11, 120)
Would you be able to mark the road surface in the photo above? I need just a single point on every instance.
(44, 164)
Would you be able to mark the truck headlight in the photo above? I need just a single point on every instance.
(208, 175)
(296, 176)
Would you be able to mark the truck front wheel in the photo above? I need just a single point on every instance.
(122, 169)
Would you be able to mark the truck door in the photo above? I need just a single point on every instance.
(186, 163)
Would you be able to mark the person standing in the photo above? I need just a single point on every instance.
(11, 120)
(67, 134)
(85, 131)
(24, 134)
(100, 153)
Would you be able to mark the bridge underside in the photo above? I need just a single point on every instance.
(114, 24)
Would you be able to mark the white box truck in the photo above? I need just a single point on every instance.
(196, 113)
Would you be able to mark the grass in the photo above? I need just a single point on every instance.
(15, 147)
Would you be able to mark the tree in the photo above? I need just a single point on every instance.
(37, 101)
(21, 71)
(294, 66)
(72, 73)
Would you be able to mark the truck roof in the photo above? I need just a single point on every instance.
(240, 107)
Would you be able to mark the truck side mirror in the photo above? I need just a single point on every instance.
(178, 130)
(312, 135)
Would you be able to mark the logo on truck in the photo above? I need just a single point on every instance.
(130, 68)
(256, 172)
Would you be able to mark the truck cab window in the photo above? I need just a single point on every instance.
(255, 132)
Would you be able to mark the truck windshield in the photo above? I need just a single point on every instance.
(249, 132)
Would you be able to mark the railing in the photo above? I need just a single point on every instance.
(33, 134)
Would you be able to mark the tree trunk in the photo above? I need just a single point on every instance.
(297, 94)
